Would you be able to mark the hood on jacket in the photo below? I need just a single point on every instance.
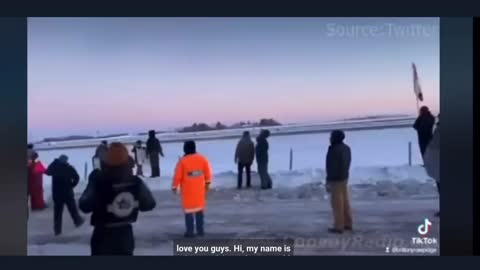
(151, 134)
(246, 137)
(117, 155)
(63, 159)
(118, 163)
(337, 137)
(425, 111)
(264, 133)
(189, 148)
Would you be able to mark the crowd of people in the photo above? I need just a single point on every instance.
(115, 194)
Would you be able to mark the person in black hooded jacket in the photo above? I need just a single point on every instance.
(424, 126)
(115, 196)
(261, 153)
(64, 180)
(154, 150)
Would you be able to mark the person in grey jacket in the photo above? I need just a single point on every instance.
(432, 159)
(337, 167)
(244, 156)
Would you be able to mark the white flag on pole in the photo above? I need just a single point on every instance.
(417, 89)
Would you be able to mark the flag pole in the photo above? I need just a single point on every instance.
(416, 87)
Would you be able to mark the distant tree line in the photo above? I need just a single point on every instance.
(81, 137)
(198, 127)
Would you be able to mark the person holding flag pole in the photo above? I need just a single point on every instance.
(425, 121)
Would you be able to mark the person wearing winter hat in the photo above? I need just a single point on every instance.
(154, 152)
(424, 126)
(261, 153)
(115, 197)
(193, 177)
(64, 179)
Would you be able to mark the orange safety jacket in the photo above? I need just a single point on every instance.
(192, 176)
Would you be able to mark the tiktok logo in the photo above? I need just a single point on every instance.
(424, 228)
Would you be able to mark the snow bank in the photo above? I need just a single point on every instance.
(364, 182)
(361, 175)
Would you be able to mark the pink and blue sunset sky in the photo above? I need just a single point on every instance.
(134, 74)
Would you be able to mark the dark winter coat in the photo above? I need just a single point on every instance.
(99, 181)
(154, 147)
(64, 179)
(245, 151)
(424, 127)
(338, 162)
(261, 149)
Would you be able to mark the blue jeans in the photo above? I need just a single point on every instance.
(189, 220)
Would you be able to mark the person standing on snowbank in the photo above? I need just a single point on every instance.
(64, 180)
(244, 156)
(115, 196)
(261, 153)
(432, 158)
(154, 151)
(338, 167)
(424, 126)
(193, 177)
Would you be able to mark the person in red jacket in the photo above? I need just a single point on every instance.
(193, 177)
(35, 183)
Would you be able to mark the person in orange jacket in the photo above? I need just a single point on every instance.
(193, 177)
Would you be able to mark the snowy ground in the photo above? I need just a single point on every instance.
(387, 211)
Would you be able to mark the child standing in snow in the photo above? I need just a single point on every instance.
(140, 157)
(337, 167)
